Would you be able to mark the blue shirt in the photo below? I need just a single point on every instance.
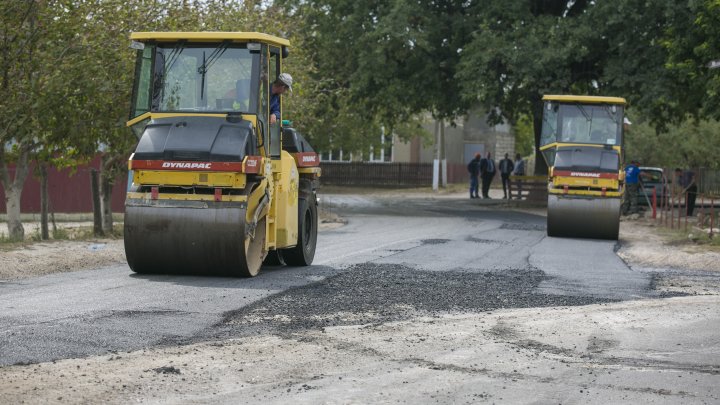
(275, 105)
(632, 173)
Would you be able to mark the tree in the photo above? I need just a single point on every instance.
(521, 51)
(380, 63)
(524, 135)
(692, 43)
(97, 79)
(20, 83)
(692, 143)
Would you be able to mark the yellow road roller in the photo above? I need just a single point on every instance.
(216, 186)
(582, 144)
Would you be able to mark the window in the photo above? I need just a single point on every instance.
(582, 123)
(195, 77)
(141, 87)
(275, 142)
(587, 158)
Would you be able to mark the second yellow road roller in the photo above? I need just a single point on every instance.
(217, 184)
(582, 144)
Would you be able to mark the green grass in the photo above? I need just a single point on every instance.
(692, 236)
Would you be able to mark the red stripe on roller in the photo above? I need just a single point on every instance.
(307, 159)
(252, 164)
(592, 175)
(185, 166)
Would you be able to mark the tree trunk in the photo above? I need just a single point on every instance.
(44, 234)
(16, 231)
(106, 187)
(97, 211)
(13, 191)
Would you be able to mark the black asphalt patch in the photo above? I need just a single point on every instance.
(434, 241)
(485, 241)
(523, 227)
(376, 293)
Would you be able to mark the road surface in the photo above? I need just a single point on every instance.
(424, 299)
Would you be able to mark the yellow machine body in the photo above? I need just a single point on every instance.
(215, 188)
(582, 144)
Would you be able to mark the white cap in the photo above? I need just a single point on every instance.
(626, 121)
(286, 79)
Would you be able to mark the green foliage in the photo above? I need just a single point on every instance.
(691, 143)
(524, 136)
(20, 47)
(360, 66)
(379, 64)
(413, 127)
(692, 43)
(60, 234)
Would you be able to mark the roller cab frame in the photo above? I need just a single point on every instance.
(582, 144)
(215, 189)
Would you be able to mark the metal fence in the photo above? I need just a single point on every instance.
(379, 174)
(709, 182)
(68, 190)
(673, 211)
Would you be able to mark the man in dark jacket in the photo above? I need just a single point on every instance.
(506, 169)
(487, 172)
(474, 170)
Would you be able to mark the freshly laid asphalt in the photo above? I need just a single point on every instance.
(395, 259)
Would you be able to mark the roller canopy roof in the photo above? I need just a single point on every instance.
(585, 99)
(208, 37)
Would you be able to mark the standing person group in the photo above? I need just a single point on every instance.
(485, 168)
(506, 169)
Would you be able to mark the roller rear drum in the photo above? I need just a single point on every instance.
(188, 240)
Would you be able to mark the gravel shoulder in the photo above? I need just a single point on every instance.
(645, 244)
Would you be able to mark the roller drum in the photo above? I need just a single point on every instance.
(583, 217)
(192, 240)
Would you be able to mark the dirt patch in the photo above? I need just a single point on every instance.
(602, 354)
(38, 259)
(644, 243)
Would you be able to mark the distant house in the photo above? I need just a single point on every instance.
(471, 135)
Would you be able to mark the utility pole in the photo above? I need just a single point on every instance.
(436, 159)
(443, 160)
